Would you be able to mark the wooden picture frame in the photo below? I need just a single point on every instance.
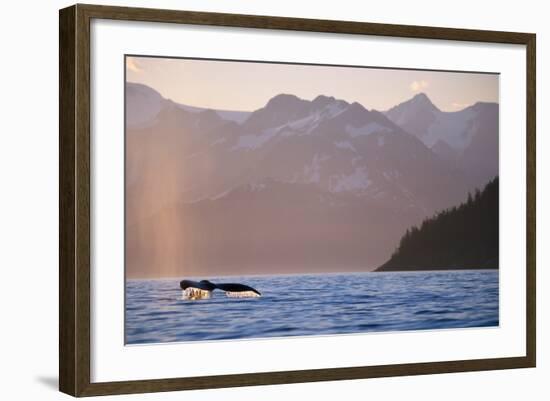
(75, 207)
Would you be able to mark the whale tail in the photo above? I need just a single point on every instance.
(193, 290)
(238, 290)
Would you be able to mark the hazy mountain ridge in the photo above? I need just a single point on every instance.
(268, 226)
(143, 104)
(340, 164)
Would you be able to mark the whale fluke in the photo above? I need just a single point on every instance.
(201, 285)
(203, 289)
(234, 287)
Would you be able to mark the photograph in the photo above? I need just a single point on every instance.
(269, 199)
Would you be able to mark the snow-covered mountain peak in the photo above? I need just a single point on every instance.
(419, 107)
(465, 138)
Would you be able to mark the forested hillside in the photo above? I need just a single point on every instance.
(462, 237)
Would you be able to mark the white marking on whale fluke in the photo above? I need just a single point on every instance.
(192, 294)
(242, 294)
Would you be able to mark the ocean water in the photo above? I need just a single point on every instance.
(321, 304)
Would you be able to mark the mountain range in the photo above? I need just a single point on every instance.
(296, 185)
(466, 139)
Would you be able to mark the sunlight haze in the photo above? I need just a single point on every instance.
(247, 86)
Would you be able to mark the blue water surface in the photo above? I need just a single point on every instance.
(321, 304)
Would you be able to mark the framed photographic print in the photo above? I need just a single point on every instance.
(250, 200)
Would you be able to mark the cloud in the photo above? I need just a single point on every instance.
(418, 85)
(133, 65)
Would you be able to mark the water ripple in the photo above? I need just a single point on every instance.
(313, 304)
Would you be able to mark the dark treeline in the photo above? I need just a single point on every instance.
(462, 237)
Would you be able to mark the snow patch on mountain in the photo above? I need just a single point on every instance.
(312, 171)
(304, 125)
(257, 186)
(219, 141)
(251, 141)
(345, 145)
(357, 180)
(334, 109)
(421, 118)
(451, 128)
(366, 130)
(307, 124)
(392, 174)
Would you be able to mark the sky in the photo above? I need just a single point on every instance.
(247, 86)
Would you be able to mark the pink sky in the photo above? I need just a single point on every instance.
(231, 85)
